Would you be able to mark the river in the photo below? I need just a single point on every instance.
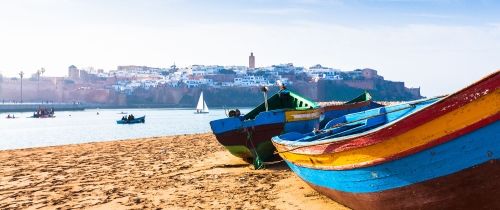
(72, 127)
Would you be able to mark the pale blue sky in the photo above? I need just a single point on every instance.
(439, 45)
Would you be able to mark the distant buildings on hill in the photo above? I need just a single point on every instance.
(99, 86)
(129, 78)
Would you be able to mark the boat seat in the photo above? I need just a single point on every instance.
(293, 136)
(363, 125)
(357, 125)
(302, 137)
(335, 121)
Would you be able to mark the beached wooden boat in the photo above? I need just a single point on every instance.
(435, 154)
(294, 113)
(135, 120)
(361, 103)
(249, 136)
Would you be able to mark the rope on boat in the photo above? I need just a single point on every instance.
(411, 105)
(225, 111)
(257, 162)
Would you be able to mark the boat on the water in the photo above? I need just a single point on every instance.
(43, 112)
(132, 121)
(249, 136)
(10, 117)
(438, 153)
(201, 107)
(362, 102)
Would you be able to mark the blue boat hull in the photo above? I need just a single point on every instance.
(134, 121)
(473, 155)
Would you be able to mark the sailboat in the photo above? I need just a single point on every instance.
(202, 107)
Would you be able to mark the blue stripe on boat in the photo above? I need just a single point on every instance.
(448, 158)
(329, 115)
(234, 123)
(303, 126)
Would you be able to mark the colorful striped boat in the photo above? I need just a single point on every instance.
(435, 154)
(249, 136)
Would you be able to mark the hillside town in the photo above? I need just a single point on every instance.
(131, 84)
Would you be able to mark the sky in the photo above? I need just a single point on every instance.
(438, 45)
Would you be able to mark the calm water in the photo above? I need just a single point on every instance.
(86, 126)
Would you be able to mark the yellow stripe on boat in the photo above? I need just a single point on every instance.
(455, 120)
(291, 116)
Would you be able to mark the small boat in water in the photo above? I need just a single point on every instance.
(10, 117)
(132, 121)
(43, 112)
(438, 153)
(201, 107)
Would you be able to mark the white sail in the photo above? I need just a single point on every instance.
(201, 102)
(205, 107)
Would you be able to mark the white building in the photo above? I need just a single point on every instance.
(250, 81)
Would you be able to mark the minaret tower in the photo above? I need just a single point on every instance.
(251, 61)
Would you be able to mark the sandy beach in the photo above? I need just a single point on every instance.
(176, 172)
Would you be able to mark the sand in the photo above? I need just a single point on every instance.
(177, 172)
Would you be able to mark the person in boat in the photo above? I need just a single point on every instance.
(232, 113)
(124, 118)
(130, 117)
(239, 115)
(8, 116)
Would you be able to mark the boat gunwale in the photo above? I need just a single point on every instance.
(335, 107)
(366, 133)
(290, 146)
(248, 123)
(377, 161)
(245, 123)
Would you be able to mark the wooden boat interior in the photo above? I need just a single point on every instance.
(360, 122)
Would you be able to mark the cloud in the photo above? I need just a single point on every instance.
(430, 15)
(439, 58)
(416, 1)
(280, 11)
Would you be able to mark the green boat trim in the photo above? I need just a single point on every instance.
(361, 98)
(277, 101)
